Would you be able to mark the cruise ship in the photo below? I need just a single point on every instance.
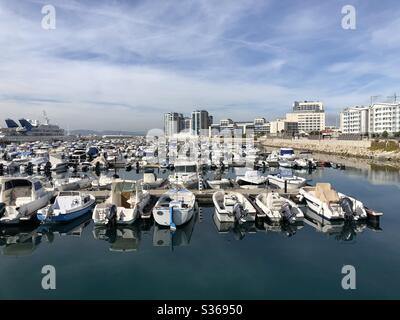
(30, 131)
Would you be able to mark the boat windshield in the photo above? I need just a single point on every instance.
(189, 168)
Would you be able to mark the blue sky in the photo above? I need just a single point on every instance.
(122, 64)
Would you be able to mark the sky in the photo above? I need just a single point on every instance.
(119, 65)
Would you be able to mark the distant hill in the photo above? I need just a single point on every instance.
(83, 132)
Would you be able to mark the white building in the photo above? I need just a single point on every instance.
(201, 121)
(173, 123)
(283, 127)
(355, 120)
(384, 117)
(310, 116)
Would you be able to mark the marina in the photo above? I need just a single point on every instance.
(250, 224)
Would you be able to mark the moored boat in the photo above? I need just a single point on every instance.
(68, 205)
(278, 208)
(327, 202)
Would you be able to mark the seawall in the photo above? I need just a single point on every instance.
(349, 148)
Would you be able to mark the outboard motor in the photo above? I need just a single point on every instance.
(2, 209)
(29, 168)
(287, 213)
(47, 167)
(347, 206)
(112, 215)
(239, 212)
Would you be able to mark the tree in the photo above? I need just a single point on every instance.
(385, 134)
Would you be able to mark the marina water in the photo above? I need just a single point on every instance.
(201, 262)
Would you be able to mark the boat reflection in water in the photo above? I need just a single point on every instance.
(164, 237)
(341, 230)
(19, 240)
(73, 228)
(239, 230)
(284, 227)
(122, 238)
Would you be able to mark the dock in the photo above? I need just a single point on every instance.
(202, 197)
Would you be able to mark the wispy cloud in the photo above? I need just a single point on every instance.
(123, 63)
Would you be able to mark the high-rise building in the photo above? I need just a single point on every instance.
(173, 123)
(200, 121)
(310, 116)
(384, 117)
(308, 106)
(354, 120)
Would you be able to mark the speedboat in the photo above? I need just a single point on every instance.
(69, 205)
(278, 208)
(20, 198)
(73, 183)
(231, 206)
(174, 208)
(291, 182)
(251, 177)
(327, 202)
(126, 201)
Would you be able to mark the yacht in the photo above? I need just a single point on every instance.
(20, 198)
(327, 202)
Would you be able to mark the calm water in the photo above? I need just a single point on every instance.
(206, 261)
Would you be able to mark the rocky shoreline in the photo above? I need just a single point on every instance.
(353, 149)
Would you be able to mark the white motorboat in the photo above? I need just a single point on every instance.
(126, 201)
(68, 205)
(185, 174)
(219, 184)
(174, 208)
(291, 182)
(150, 179)
(231, 206)
(327, 202)
(73, 183)
(286, 163)
(278, 208)
(251, 177)
(104, 182)
(286, 154)
(20, 198)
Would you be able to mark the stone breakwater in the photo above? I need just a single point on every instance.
(348, 148)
